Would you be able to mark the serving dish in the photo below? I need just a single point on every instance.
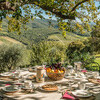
(49, 88)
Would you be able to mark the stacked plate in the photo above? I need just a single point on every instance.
(6, 75)
(82, 93)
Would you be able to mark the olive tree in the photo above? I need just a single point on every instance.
(12, 56)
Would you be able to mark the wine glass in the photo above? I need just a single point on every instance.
(59, 88)
(70, 82)
(31, 86)
(44, 64)
(81, 85)
(17, 75)
(96, 74)
(23, 78)
(26, 84)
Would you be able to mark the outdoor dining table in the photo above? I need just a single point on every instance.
(39, 94)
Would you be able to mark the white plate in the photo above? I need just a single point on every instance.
(75, 85)
(10, 90)
(25, 69)
(7, 74)
(82, 93)
(77, 79)
(84, 80)
(96, 89)
(89, 84)
(69, 77)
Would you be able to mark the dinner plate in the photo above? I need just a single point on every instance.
(96, 89)
(82, 93)
(7, 74)
(69, 77)
(77, 79)
(89, 84)
(84, 80)
(10, 90)
(25, 69)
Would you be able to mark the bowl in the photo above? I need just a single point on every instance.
(55, 75)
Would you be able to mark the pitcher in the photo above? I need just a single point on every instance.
(40, 75)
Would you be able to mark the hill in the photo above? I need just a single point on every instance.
(8, 40)
(39, 30)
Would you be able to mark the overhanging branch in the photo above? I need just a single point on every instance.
(53, 10)
(7, 6)
(78, 4)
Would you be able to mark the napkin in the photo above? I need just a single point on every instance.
(45, 68)
(84, 71)
(67, 96)
(7, 84)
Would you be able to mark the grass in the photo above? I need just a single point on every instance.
(8, 40)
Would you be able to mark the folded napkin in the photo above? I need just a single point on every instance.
(67, 96)
(45, 68)
(7, 84)
(83, 70)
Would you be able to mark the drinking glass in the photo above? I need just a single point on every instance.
(26, 84)
(71, 82)
(96, 74)
(15, 86)
(76, 75)
(16, 74)
(23, 78)
(81, 86)
(59, 88)
(44, 64)
(30, 84)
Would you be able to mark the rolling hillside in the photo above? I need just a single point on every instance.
(37, 30)
(8, 40)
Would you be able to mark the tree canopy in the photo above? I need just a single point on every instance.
(19, 12)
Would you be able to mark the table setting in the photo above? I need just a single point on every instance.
(74, 85)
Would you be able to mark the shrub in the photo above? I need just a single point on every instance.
(94, 40)
(49, 52)
(12, 56)
(77, 51)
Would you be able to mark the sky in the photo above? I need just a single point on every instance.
(98, 4)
